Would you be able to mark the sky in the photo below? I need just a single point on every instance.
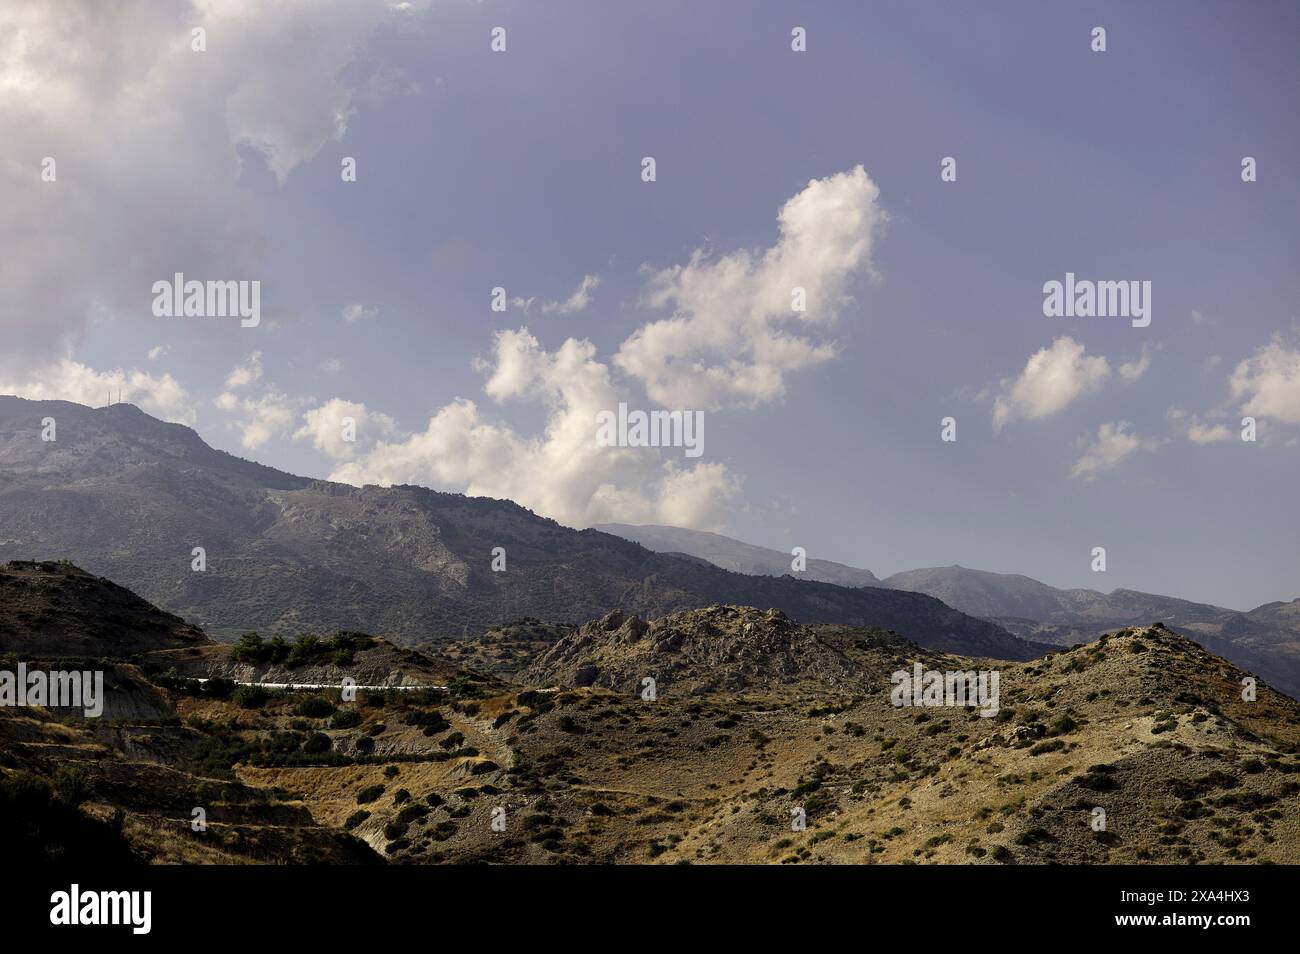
(522, 169)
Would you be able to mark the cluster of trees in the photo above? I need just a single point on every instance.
(308, 648)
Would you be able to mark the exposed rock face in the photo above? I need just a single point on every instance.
(717, 648)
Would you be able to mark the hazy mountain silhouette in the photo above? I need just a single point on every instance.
(1265, 639)
(130, 497)
(734, 555)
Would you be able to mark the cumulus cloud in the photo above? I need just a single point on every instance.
(734, 333)
(1132, 370)
(328, 428)
(1114, 442)
(160, 395)
(562, 472)
(1268, 382)
(579, 300)
(245, 374)
(146, 134)
(728, 342)
(269, 415)
(260, 417)
(1199, 433)
(1053, 378)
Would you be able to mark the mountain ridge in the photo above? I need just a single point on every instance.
(731, 554)
(130, 497)
(1265, 640)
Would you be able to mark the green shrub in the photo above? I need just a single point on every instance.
(316, 707)
(346, 719)
(250, 697)
(72, 785)
(317, 743)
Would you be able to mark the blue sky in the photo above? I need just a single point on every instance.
(522, 169)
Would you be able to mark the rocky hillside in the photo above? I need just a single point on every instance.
(1137, 749)
(125, 786)
(768, 741)
(720, 648)
(129, 497)
(58, 609)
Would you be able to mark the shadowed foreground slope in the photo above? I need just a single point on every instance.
(755, 717)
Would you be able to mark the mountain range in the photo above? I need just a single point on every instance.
(766, 740)
(737, 556)
(1265, 640)
(134, 499)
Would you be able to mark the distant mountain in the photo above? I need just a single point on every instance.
(997, 594)
(1265, 640)
(734, 555)
(130, 497)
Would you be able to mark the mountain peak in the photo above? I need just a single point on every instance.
(132, 497)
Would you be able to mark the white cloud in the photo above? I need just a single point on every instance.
(1199, 433)
(245, 374)
(160, 395)
(1114, 442)
(262, 418)
(146, 135)
(563, 472)
(579, 300)
(357, 312)
(1196, 431)
(331, 365)
(1268, 383)
(324, 427)
(1132, 370)
(728, 341)
(1053, 377)
(159, 352)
